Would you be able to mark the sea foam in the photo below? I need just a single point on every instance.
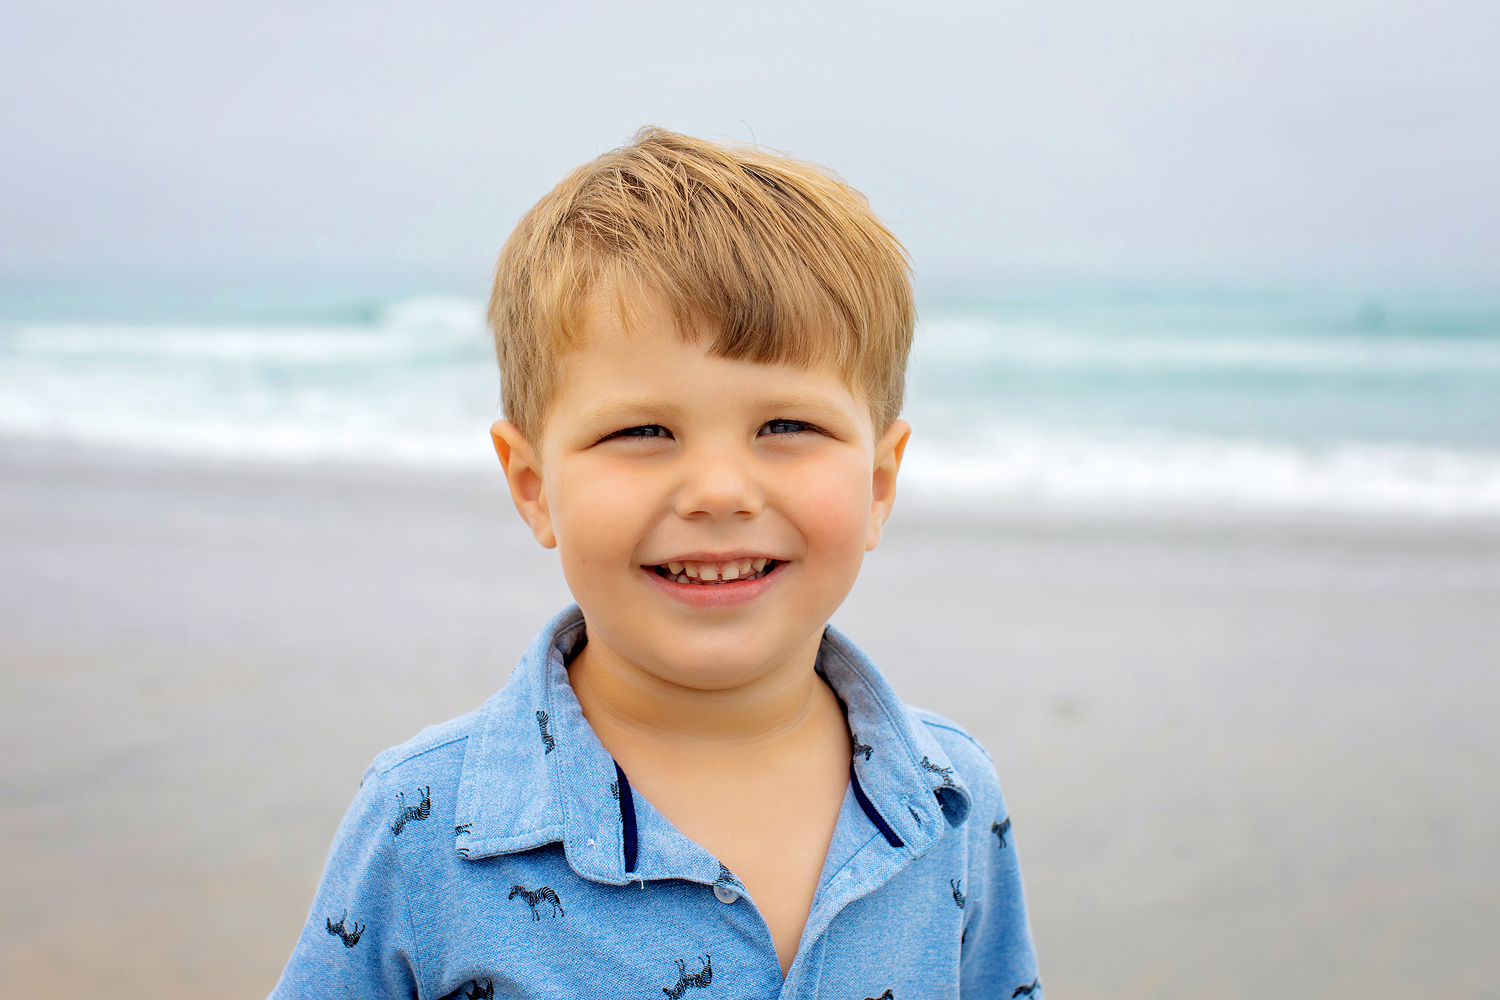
(1216, 409)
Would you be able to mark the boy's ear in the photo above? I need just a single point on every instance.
(524, 473)
(888, 452)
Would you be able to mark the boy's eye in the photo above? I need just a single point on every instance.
(785, 427)
(643, 431)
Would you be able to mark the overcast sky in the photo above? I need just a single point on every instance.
(1241, 140)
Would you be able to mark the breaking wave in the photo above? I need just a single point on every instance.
(1044, 405)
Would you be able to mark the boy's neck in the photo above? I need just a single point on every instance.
(622, 698)
(756, 774)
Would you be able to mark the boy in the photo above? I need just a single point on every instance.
(702, 354)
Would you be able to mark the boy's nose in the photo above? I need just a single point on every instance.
(719, 488)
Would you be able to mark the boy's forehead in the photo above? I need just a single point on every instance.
(640, 361)
(631, 329)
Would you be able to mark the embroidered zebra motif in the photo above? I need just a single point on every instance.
(462, 828)
(474, 989)
(887, 995)
(946, 773)
(539, 895)
(614, 790)
(958, 895)
(343, 933)
(862, 750)
(726, 877)
(1028, 989)
(541, 723)
(411, 814)
(697, 981)
(1000, 829)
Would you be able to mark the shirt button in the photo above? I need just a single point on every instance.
(725, 895)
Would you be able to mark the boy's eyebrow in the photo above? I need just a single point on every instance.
(810, 402)
(622, 409)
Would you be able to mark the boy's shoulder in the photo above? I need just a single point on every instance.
(437, 752)
(440, 749)
(957, 741)
(871, 703)
(971, 762)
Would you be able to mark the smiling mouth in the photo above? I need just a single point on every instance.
(714, 573)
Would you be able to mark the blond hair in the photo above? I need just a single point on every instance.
(780, 259)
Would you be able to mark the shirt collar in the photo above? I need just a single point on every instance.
(534, 773)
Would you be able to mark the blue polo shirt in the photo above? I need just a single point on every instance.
(504, 854)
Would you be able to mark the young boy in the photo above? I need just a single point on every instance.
(702, 352)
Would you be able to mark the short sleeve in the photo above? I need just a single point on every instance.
(358, 940)
(998, 957)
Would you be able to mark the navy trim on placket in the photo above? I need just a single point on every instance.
(627, 819)
(869, 808)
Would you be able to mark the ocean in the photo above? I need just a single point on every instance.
(1157, 400)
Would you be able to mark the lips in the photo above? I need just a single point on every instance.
(712, 573)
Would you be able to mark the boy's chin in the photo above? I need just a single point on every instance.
(722, 659)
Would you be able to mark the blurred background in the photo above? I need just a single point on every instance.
(1206, 398)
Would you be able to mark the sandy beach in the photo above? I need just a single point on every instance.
(1244, 758)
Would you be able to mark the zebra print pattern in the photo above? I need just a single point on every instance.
(541, 894)
(408, 814)
(697, 981)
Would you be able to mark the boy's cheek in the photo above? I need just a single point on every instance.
(835, 509)
(596, 537)
(600, 503)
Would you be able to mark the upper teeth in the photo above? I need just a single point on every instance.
(710, 572)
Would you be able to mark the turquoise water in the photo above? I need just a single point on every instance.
(1331, 401)
(1298, 367)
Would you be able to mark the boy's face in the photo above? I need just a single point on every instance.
(662, 468)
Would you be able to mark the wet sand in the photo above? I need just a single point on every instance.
(1243, 759)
